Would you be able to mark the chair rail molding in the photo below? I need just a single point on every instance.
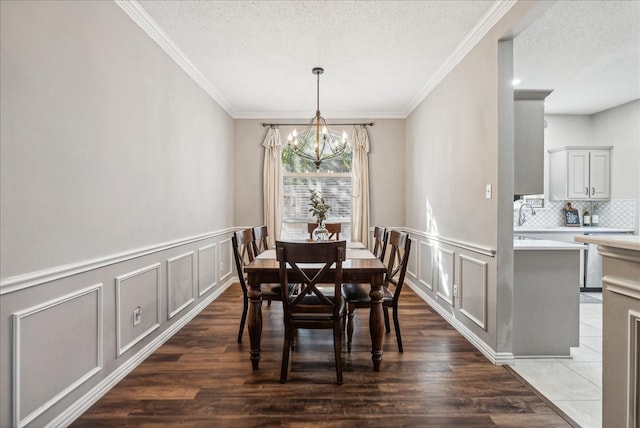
(19, 282)
(487, 251)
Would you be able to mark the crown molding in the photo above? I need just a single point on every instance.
(493, 15)
(283, 115)
(151, 27)
(137, 13)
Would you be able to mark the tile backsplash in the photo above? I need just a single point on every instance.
(613, 213)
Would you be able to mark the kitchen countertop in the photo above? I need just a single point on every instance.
(628, 242)
(569, 229)
(544, 244)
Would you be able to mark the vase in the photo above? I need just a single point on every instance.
(320, 233)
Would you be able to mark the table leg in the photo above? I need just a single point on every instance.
(255, 322)
(376, 323)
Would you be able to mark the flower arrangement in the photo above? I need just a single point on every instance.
(319, 208)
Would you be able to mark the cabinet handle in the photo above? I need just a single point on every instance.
(586, 191)
(593, 191)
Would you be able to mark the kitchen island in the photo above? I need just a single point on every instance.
(546, 301)
(620, 328)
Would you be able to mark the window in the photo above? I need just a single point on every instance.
(333, 182)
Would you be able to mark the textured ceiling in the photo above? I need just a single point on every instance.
(587, 51)
(381, 56)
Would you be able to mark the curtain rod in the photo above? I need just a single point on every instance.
(307, 124)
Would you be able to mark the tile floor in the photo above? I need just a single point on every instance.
(574, 384)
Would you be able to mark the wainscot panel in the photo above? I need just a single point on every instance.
(137, 292)
(180, 283)
(226, 261)
(426, 275)
(68, 328)
(206, 268)
(445, 272)
(473, 290)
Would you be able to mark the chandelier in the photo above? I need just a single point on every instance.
(324, 139)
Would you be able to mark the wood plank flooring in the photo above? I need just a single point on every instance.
(202, 378)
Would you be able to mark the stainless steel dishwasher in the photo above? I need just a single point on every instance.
(593, 265)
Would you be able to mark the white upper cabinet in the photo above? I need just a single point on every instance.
(580, 173)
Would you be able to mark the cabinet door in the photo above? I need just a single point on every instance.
(578, 174)
(599, 174)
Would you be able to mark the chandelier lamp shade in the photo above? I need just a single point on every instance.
(327, 144)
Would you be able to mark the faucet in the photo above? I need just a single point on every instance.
(522, 217)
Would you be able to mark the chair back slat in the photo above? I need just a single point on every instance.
(244, 252)
(379, 242)
(398, 258)
(260, 238)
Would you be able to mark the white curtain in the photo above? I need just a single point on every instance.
(360, 186)
(272, 184)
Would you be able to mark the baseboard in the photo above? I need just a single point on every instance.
(83, 404)
(497, 358)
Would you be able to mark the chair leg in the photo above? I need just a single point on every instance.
(350, 327)
(396, 324)
(243, 319)
(269, 302)
(337, 349)
(286, 350)
(387, 327)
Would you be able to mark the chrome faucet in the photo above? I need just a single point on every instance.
(522, 217)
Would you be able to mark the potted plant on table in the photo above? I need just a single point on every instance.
(319, 210)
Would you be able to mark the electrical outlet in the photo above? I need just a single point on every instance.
(221, 266)
(487, 191)
(455, 290)
(137, 316)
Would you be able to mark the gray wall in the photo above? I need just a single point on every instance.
(386, 166)
(106, 144)
(452, 152)
(117, 192)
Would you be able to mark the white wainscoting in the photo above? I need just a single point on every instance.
(425, 269)
(137, 289)
(472, 290)
(207, 262)
(455, 279)
(62, 329)
(413, 266)
(89, 331)
(226, 259)
(445, 274)
(180, 283)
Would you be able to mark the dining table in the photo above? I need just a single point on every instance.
(360, 266)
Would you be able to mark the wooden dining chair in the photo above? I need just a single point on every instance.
(357, 295)
(244, 253)
(379, 242)
(333, 228)
(260, 239)
(313, 307)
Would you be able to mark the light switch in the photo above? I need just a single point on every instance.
(487, 191)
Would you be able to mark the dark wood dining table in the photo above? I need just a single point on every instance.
(360, 266)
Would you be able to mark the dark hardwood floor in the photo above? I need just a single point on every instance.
(202, 378)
